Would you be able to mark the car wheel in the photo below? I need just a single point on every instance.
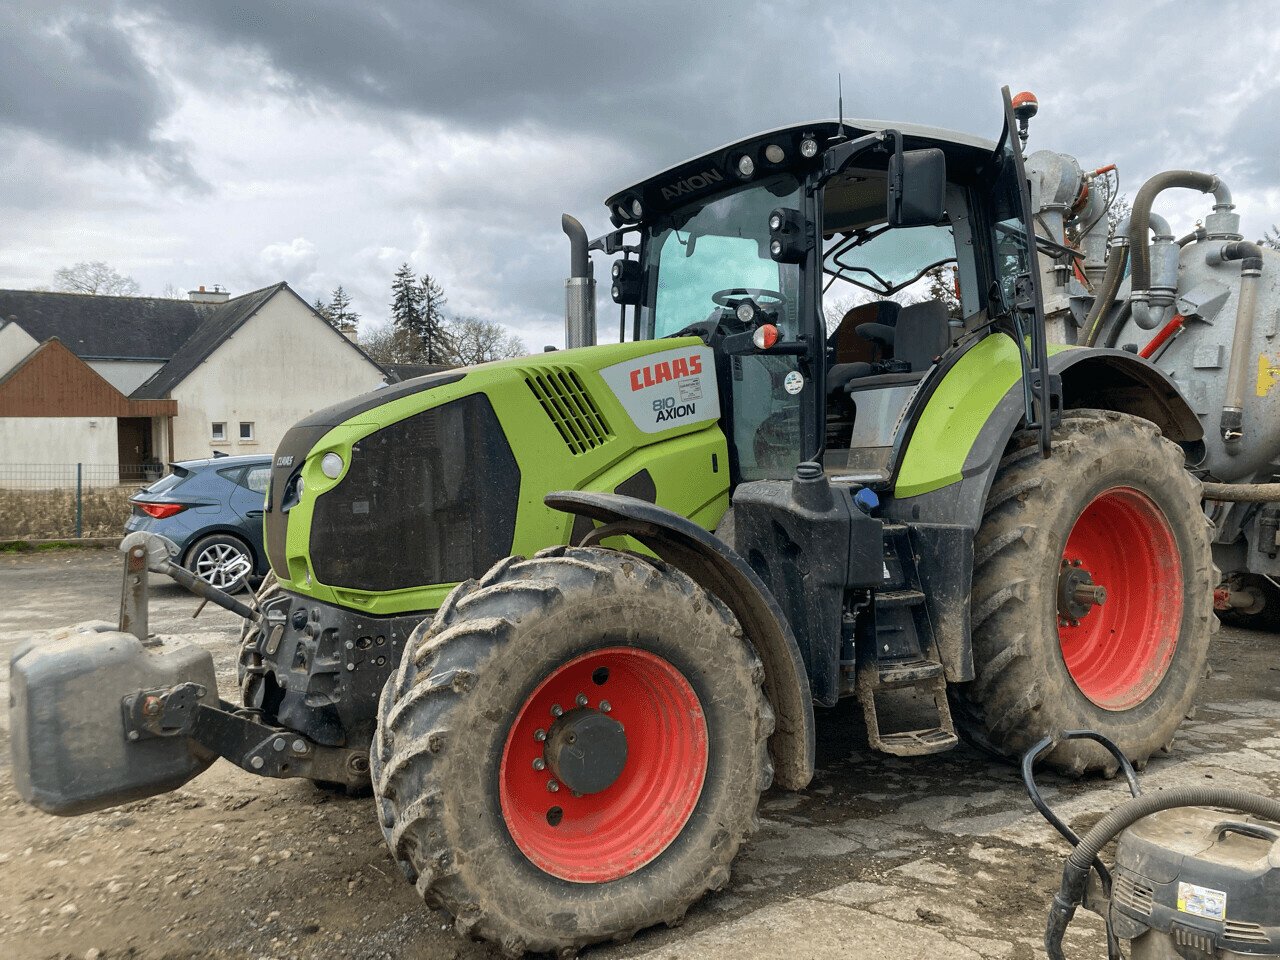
(222, 561)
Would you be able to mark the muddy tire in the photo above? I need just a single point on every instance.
(1267, 616)
(1113, 502)
(466, 749)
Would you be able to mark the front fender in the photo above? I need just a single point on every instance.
(715, 567)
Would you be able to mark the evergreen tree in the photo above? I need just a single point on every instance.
(322, 308)
(405, 316)
(433, 338)
(339, 312)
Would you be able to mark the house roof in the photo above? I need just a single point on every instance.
(97, 328)
(52, 381)
(399, 372)
(178, 333)
(222, 321)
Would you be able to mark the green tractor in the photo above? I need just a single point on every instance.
(573, 613)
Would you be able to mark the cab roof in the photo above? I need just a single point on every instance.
(717, 169)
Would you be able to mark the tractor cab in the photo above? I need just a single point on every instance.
(837, 269)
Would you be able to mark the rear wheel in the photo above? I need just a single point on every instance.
(1092, 594)
(221, 560)
(572, 750)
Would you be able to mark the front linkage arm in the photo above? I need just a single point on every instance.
(229, 731)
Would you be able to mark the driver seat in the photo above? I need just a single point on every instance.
(920, 335)
(850, 347)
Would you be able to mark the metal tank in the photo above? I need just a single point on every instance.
(1205, 309)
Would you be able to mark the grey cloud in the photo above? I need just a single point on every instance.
(73, 76)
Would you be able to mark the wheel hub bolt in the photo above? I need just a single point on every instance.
(553, 786)
(539, 735)
(582, 700)
(539, 763)
(557, 710)
(605, 706)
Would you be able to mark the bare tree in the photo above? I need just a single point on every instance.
(473, 340)
(1271, 238)
(94, 277)
(171, 292)
(381, 342)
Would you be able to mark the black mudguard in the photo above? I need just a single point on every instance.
(714, 566)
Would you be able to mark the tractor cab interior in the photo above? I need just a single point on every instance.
(890, 305)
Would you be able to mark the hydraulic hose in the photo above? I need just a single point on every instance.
(1116, 325)
(1241, 492)
(1075, 873)
(1140, 219)
(1106, 294)
(1250, 257)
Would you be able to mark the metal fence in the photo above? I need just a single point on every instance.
(57, 500)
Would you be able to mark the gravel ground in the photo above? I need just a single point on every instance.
(880, 857)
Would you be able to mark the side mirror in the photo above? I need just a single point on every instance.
(917, 187)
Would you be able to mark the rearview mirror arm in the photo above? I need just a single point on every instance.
(838, 157)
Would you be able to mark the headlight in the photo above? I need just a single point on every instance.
(331, 466)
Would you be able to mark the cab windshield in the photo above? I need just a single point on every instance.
(715, 246)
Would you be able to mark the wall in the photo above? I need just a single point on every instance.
(283, 364)
(15, 345)
(48, 448)
(125, 375)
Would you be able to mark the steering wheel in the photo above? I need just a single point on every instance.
(721, 298)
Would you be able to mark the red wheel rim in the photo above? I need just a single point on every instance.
(603, 836)
(1118, 652)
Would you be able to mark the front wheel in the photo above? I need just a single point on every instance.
(1092, 594)
(572, 750)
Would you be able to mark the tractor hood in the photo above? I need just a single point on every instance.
(385, 502)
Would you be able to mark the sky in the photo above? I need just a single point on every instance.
(325, 143)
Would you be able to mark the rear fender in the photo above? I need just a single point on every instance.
(1091, 378)
(714, 566)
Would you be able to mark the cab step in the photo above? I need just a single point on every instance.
(927, 677)
(896, 651)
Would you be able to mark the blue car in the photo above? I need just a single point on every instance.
(212, 509)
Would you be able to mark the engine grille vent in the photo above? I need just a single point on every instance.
(1130, 893)
(568, 405)
(1245, 932)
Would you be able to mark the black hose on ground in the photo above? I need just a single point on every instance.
(1241, 492)
(1106, 294)
(1139, 218)
(1075, 874)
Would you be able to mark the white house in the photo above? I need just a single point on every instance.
(143, 380)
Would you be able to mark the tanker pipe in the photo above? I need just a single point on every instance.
(1241, 492)
(579, 289)
(1250, 257)
(1152, 297)
(1114, 276)
(1106, 293)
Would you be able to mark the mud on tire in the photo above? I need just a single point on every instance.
(1023, 689)
(446, 715)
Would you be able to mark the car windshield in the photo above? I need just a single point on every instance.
(718, 245)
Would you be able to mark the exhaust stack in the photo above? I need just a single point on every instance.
(579, 289)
